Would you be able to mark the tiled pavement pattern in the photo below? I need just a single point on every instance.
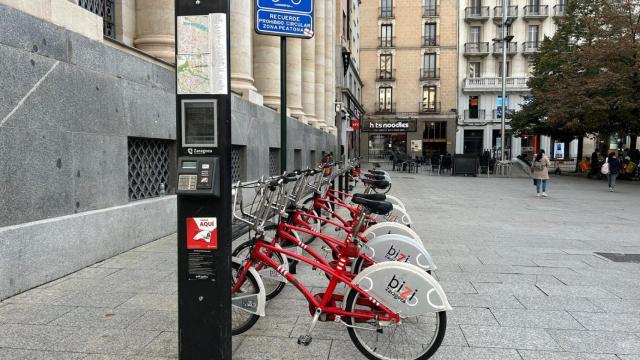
(519, 271)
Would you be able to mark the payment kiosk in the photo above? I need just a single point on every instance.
(203, 119)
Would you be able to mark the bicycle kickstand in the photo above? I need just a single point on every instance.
(306, 338)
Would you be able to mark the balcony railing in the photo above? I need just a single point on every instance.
(476, 13)
(474, 115)
(490, 84)
(426, 107)
(431, 11)
(475, 49)
(559, 10)
(430, 41)
(386, 42)
(496, 112)
(512, 48)
(536, 11)
(512, 12)
(429, 73)
(385, 75)
(385, 12)
(530, 47)
(387, 108)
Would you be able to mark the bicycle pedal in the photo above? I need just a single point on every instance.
(304, 340)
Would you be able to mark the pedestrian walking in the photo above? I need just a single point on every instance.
(614, 170)
(540, 172)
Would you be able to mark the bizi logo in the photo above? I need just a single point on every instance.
(402, 292)
(395, 255)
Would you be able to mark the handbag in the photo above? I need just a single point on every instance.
(605, 167)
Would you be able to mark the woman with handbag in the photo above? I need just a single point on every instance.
(611, 168)
(540, 172)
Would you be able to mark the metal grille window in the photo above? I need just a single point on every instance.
(297, 159)
(148, 167)
(107, 10)
(312, 158)
(237, 163)
(274, 161)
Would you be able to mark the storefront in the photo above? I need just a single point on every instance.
(383, 137)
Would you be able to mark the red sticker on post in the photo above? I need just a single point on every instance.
(202, 233)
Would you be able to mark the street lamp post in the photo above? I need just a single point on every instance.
(504, 40)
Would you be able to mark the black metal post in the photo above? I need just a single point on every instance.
(283, 103)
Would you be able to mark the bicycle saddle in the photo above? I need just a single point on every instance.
(374, 197)
(378, 184)
(378, 172)
(376, 207)
(374, 176)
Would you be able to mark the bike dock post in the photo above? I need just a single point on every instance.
(203, 134)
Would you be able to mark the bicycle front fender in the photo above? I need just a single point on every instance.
(252, 303)
(390, 227)
(403, 288)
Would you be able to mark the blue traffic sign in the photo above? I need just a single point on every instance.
(291, 18)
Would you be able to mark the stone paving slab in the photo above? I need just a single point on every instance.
(519, 290)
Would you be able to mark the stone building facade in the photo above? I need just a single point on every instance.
(409, 69)
(87, 127)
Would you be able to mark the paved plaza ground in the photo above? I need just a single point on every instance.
(521, 273)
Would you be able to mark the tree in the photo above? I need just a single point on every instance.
(586, 77)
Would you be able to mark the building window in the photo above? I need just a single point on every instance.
(274, 161)
(386, 8)
(475, 34)
(430, 8)
(385, 99)
(430, 34)
(474, 107)
(499, 31)
(386, 66)
(475, 69)
(105, 9)
(384, 146)
(434, 138)
(508, 74)
(148, 161)
(475, 7)
(533, 32)
(297, 158)
(429, 94)
(386, 35)
(237, 163)
(429, 68)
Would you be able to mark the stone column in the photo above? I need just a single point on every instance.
(242, 47)
(266, 68)
(155, 28)
(294, 77)
(330, 66)
(309, 79)
(320, 63)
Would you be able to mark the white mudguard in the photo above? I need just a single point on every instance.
(403, 288)
(271, 273)
(252, 303)
(396, 202)
(393, 247)
(398, 215)
(390, 227)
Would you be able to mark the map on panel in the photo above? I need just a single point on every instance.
(196, 74)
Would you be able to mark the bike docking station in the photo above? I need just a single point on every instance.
(203, 120)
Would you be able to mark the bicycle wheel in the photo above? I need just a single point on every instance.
(272, 286)
(415, 338)
(242, 320)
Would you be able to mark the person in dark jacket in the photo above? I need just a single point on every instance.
(614, 170)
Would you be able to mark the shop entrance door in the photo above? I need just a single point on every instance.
(473, 142)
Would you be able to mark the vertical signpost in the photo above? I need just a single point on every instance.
(284, 18)
(203, 119)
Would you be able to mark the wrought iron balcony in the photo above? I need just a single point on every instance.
(476, 13)
(496, 112)
(429, 107)
(387, 108)
(559, 10)
(476, 49)
(512, 48)
(536, 12)
(385, 75)
(430, 40)
(429, 73)
(530, 47)
(512, 13)
(385, 13)
(474, 115)
(386, 42)
(431, 11)
(493, 84)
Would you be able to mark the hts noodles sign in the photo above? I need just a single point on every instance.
(409, 125)
(292, 18)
